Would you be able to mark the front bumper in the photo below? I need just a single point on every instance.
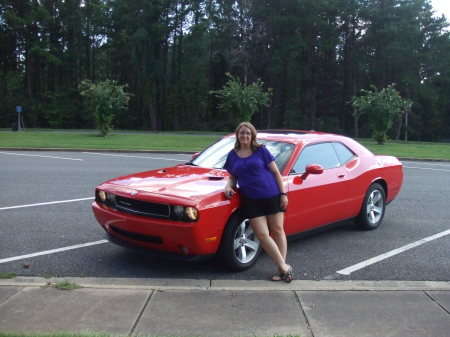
(189, 241)
(156, 253)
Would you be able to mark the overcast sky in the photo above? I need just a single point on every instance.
(441, 7)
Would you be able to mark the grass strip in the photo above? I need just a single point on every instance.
(7, 276)
(66, 285)
(420, 150)
(184, 142)
(115, 141)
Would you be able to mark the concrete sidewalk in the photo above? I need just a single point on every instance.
(155, 307)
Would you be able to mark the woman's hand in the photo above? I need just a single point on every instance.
(229, 188)
(283, 201)
(229, 191)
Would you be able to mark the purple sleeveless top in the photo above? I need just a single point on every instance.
(254, 177)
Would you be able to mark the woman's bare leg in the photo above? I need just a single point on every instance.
(276, 229)
(261, 230)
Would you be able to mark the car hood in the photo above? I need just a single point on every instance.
(181, 181)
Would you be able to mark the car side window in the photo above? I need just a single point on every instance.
(343, 152)
(322, 154)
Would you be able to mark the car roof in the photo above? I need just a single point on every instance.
(303, 137)
(297, 136)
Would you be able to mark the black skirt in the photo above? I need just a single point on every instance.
(253, 208)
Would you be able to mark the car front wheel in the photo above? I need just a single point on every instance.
(373, 208)
(239, 247)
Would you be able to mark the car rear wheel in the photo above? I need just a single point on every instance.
(239, 247)
(373, 208)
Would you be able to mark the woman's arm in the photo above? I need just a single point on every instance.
(229, 188)
(276, 173)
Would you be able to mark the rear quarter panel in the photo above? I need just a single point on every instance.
(385, 170)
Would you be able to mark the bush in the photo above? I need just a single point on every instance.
(105, 99)
(383, 107)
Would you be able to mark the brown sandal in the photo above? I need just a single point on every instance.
(277, 277)
(289, 276)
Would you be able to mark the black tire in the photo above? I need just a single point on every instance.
(239, 248)
(373, 208)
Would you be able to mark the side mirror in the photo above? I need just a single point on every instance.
(195, 155)
(310, 169)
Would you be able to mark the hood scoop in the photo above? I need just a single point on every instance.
(216, 174)
(215, 178)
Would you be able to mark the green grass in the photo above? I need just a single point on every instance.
(6, 276)
(66, 285)
(401, 149)
(115, 141)
(183, 142)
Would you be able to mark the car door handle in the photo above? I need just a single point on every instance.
(341, 176)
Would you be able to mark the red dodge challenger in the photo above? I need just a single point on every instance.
(182, 212)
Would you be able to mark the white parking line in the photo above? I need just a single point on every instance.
(426, 168)
(428, 163)
(52, 251)
(36, 155)
(361, 265)
(45, 203)
(128, 156)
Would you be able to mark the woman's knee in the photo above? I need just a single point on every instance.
(276, 225)
(260, 228)
(277, 231)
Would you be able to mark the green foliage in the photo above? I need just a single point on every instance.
(105, 99)
(241, 100)
(315, 55)
(383, 107)
(6, 276)
(66, 285)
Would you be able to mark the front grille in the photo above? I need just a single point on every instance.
(143, 208)
(137, 237)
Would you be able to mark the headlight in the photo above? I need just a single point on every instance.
(182, 213)
(102, 195)
(191, 213)
(107, 199)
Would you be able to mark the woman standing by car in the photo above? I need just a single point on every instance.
(264, 199)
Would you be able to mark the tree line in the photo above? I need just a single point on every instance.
(171, 56)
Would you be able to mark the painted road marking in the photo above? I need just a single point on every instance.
(428, 163)
(52, 251)
(45, 203)
(36, 155)
(361, 265)
(128, 156)
(426, 168)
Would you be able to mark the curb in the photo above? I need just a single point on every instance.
(227, 285)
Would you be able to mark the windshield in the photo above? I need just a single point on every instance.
(216, 154)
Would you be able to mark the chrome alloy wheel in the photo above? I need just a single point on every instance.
(246, 244)
(375, 206)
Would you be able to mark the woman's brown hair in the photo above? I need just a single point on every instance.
(254, 144)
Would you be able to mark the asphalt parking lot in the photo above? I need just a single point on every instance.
(48, 229)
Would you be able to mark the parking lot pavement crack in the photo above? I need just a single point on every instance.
(138, 318)
(11, 297)
(303, 313)
(437, 303)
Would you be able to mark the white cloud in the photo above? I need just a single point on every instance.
(441, 7)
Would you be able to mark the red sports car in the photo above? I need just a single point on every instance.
(182, 211)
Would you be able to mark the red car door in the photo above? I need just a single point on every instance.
(318, 199)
